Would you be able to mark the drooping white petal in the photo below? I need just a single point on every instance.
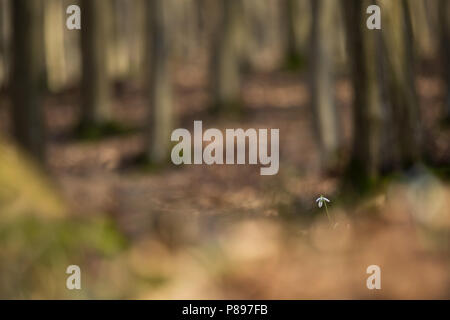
(326, 199)
(320, 203)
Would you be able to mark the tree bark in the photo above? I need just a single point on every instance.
(423, 35)
(363, 48)
(5, 35)
(54, 44)
(161, 114)
(28, 76)
(226, 58)
(397, 36)
(444, 48)
(96, 104)
(322, 76)
(288, 18)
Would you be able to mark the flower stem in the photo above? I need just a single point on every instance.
(326, 209)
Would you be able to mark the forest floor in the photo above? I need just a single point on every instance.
(199, 231)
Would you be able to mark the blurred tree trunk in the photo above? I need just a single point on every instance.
(96, 104)
(160, 116)
(28, 76)
(423, 36)
(73, 54)
(5, 35)
(444, 41)
(124, 30)
(322, 74)
(288, 26)
(137, 49)
(397, 36)
(54, 26)
(260, 29)
(363, 49)
(226, 58)
(202, 21)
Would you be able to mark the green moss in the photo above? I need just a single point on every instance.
(442, 172)
(156, 280)
(37, 252)
(445, 122)
(232, 109)
(94, 132)
(145, 164)
(357, 181)
(294, 62)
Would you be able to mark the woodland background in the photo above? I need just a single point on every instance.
(85, 174)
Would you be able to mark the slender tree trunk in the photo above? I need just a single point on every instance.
(137, 49)
(397, 35)
(288, 23)
(322, 74)
(54, 44)
(444, 48)
(27, 76)
(423, 36)
(121, 35)
(5, 31)
(161, 114)
(226, 58)
(363, 48)
(96, 104)
(201, 20)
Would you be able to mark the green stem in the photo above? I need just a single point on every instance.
(326, 209)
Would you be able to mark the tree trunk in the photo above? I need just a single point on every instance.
(397, 35)
(444, 47)
(54, 26)
(422, 28)
(160, 117)
(226, 59)
(323, 98)
(363, 48)
(5, 35)
(27, 76)
(96, 104)
(288, 18)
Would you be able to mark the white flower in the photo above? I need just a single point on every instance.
(320, 200)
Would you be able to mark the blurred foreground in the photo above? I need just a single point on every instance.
(404, 230)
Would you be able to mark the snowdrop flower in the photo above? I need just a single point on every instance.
(321, 200)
